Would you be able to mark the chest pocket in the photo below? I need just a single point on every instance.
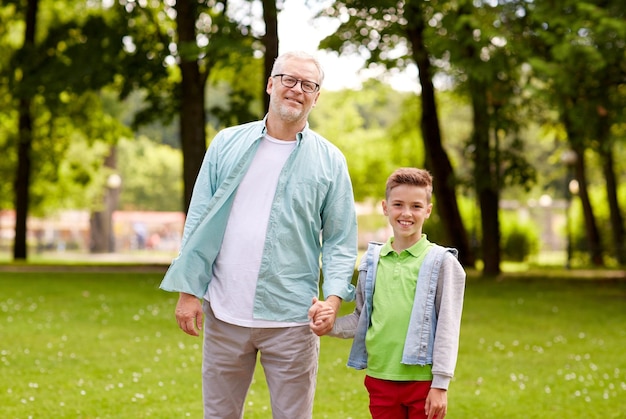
(308, 196)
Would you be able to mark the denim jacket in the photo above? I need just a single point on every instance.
(434, 326)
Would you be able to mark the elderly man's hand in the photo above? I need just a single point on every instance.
(189, 314)
(323, 314)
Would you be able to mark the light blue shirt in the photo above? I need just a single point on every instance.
(312, 214)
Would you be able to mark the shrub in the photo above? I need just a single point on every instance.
(518, 241)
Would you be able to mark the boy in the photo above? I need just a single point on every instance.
(406, 327)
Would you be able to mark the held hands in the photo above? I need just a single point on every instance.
(323, 314)
(189, 314)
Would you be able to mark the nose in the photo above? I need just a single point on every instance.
(298, 86)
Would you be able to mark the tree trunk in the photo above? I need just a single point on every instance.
(102, 233)
(575, 139)
(270, 42)
(485, 178)
(192, 117)
(437, 159)
(591, 227)
(615, 214)
(25, 143)
(22, 180)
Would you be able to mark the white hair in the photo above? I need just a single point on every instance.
(298, 55)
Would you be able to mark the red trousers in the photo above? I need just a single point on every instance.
(397, 399)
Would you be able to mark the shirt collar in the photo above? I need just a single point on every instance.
(299, 136)
(416, 250)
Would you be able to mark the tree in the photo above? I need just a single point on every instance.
(54, 68)
(270, 43)
(204, 38)
(358, 122)
(192, 86)
(127, 47)
(580, 58)
(382, 29)
(25, 140)
(480, 55)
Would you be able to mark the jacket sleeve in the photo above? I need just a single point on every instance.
(449, 306)
(345, 326)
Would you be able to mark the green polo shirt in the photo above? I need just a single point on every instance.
(394, 292)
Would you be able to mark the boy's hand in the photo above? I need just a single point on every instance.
(322, 314)
(437, 403)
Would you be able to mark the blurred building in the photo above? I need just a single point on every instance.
(70, 231)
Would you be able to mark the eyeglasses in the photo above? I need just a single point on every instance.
(290, 81)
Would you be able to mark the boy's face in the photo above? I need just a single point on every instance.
(407, 208)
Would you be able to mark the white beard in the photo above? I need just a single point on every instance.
(287, 113)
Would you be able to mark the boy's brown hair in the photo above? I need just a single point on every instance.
(410, 176)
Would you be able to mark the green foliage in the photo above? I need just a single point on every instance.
(601, 211)
(405, 134)
(107, 345)
(71, 142)
(372, 222)
(145, 36)
(373, 129)
(7, 162)
(223, 49)
(8, 111)
(75, 181)
(75, 52)
(233, 96)
(519, 238)
(558, 63)
(151, 176)
(544, 64)
(71, 59)
(470, 212)
(585, 42)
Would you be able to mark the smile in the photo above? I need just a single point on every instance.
(290, 99)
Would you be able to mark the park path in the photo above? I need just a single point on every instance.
(81, 262)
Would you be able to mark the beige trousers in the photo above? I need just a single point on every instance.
(289, 358)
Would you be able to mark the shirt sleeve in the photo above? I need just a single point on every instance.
(203, 190)
(339, 237)
(345, 326)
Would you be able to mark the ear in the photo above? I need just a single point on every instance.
(270, 85)
(429, 210)
(384, 205)
(317, 95)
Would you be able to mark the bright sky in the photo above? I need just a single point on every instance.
(297, 31)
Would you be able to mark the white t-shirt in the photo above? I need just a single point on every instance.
(236, 269)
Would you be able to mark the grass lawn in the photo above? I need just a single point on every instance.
(105, 345)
